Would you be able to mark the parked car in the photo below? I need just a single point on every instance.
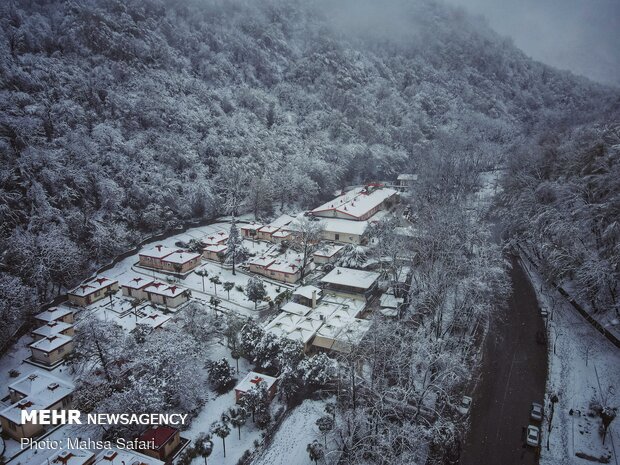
(465, 405)
(533, 436)
(536, 412)
(544, 312)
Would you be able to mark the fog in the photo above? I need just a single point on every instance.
(582, 36)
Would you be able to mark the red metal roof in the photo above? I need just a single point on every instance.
(160, 435)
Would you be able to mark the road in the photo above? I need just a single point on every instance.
(513, 375)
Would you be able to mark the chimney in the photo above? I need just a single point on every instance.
(313, 299)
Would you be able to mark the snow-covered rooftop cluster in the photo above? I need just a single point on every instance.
(90, 287)
(358, 202)
(351, 278)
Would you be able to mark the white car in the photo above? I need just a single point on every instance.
(465, 405)
(533, 436)
(536, 412)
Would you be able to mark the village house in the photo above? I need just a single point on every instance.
(165, 294)
(216, 238)
(154, 320)
(92, 291)
(125, 457)
(295, 327)
(327, 253)
(405, 181)
(166, 442)
(180, 262)
(341, 335)
(260, 264)
(70, 457)
(51, 350)
(281, 235)
(390, 304)
(351, 283)
(135, 287)
(250, 230)
(307, 295)
(37, 391)
(52, 329)
(63, 314)
(152, 258)
(344, 231)
(284, 271)
(359, 204)
(215, 252)
(266, 232)
(251, 380)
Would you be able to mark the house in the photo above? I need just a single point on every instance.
(152, 258)
(295, 309)
(70, 457)
(327, 253)
(300, 328)
(260, 264)
(285, 271)
(92, 291)
(344, 231)
(135, 287)
(250, 231)
(165, 440)
(307, 295)
(253, 379)
(405, 181)
(390, 304)
(51, 349)
(216, 238)
(214, 252)
(281, 235)
(266, 232)
(341, 335)
(63, 314)
(154, 319)
(165, 294)
(350, 282)
(37, 391)
(359, 204)
(53, 328)
(180, 262)
(125, 457)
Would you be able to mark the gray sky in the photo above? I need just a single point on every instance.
(582, 36)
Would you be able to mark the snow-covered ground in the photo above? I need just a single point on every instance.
(584, 369)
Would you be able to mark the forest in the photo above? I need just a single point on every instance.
(119, 119)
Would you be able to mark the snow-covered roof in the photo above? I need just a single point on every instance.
(268, 229)
(341, 336)
(53, 314)
(157, 287)
(342, 226)
(407, 177)
(328, 250)
(217, 237)
(252, 379)
(14, 411)
(350, 277)
(52, 328)
(95, 285)
(294, 327)
(282, 266)
(261, 261)
(154, 319)
(252, 226)
(389, 301)
(306, 291)
(281, 221)
(216, 248)
(357, 202)
(159, 251)
(295, 308)
(69, 457)
(47, 344)
(281, 233)
(181, 257)
(44, 386)
(124, 457)
(137, 282)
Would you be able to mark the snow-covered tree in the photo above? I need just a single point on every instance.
(221, 374)
(222, 430)
(255, 290)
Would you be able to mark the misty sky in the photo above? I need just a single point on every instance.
(579, 35)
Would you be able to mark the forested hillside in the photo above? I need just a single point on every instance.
(122, 118)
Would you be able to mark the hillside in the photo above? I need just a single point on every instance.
(122, 118)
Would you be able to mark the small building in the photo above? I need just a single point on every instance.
(70, 457)
(37, 391)
(253, 379)
(52, 329)
(351, 282)
(154, 320)
(92, 291)
(327, 253)
(165, 294)
(166, 442)
(405, 181)
(341, 335)
(359, 204)
(125, 457)
(63, 314)
(281, 235)
(390, 305)
(215, 252)
(344, 231)
(135, 287)
(267, 232)
(250, 231)
(284, 271)
(295, 309)
(260, 264)
(152, 258)
(216, 238)
(307, 295)
(180, 262)
(51, 349)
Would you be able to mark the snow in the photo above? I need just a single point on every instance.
(341, 226)
(181, 257)
(390, 301)
(124, 457)
(261, 261)
(216, 248)
(137, 282)
(69, 457)
(577, 382)
(306, 291)
(50, 343)
(154, 319)
(358, 202)
(350, 277)
(158, 251)
(295, 309)
(38, 384)
(94, 285)
(252, 379)
(54, 314)
(328, 250)
(52, 328)
(290, 441)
